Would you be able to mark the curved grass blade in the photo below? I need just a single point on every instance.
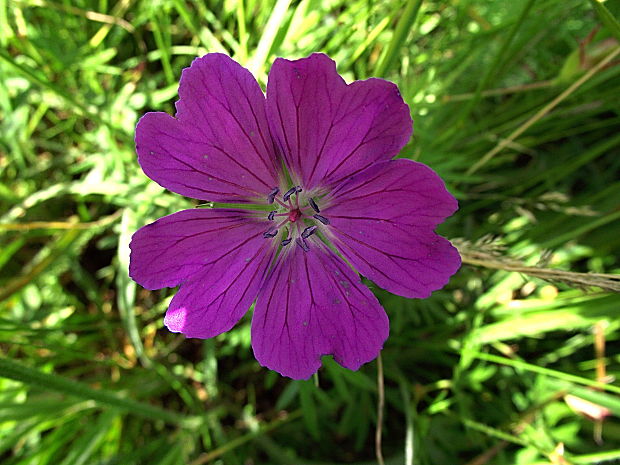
(51, 382)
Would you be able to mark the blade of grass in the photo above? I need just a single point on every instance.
(405, 23)
(127, 288)
(606, 17)
(257, 63)
(231, 445)
(583, 229)
(368, 41)
(119, 10)
(519, 364)
(243, 35)
(53, 225)
(81, 453)
(40, 263)
(88, 14)
(492, 68)
(45, 381)
(608, 282)
(163, 46)
(493, 432)
(588, 459)
(209, 41)
(541, 113)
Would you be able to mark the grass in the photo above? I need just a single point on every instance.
(516, 106)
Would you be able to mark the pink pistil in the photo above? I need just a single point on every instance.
(294, 215)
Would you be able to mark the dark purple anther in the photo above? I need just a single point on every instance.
(286, 241)
(309, 231)
(271, 232)
(302, 243)
(321, 218)
(272, 195)
(271, 215)
(313, 204)
(288, 193)
(298, 189)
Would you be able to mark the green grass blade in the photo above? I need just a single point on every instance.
(608, 19)
(403, 27)
(492, 68)
(519, 364)
(276, 19)
(35, 378)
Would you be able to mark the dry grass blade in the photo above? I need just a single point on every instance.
(488, 258)
(88, 14)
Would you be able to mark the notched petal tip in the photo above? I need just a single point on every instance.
(314, 305)
(341, 129)
(140, 251)
(452, 259)
(217, 60)
(383, 222)
(218, 146)
(314, 59)
(148, 127)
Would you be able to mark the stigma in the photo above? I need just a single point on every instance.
(294, 215)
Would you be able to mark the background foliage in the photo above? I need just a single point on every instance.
(515, 104)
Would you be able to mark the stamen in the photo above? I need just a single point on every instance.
(302, 243)
(309, 231)
(298, 190)
(286, 241)
(281, 203)
(271, 215)
(271, 232)
(272, 195)
(313, 204)
(321, 218)
(288, 193)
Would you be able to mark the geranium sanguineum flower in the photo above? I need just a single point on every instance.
(318, 153)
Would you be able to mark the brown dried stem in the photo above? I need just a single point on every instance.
(490, 258)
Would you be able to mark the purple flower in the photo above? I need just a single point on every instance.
(319, 153)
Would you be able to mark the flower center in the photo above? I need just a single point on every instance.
(294, 211)
(294, 215)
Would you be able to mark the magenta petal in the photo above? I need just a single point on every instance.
(382, 221)
(173, 248)
(219, 257)
(212, 301)
(313, 304)
(328, 130)
(218, 147)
